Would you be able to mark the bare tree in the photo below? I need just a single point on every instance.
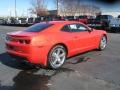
(39, 8)
(68, 7)
(76, 8)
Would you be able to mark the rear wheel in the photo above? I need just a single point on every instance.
(56, 57)
(103, 43)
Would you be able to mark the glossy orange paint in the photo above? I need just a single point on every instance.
(40, 43)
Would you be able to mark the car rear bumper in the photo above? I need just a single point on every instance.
(33, 54)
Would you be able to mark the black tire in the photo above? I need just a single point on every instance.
(101, 45)
(51, 58)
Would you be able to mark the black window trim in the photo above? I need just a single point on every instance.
(49, 25)
(76, 31)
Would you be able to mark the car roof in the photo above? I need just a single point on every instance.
(62, 22)
(59, 24)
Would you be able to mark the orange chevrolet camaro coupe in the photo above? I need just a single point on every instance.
(50, 43)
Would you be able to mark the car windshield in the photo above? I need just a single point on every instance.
(38, 27)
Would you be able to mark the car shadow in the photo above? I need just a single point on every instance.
(34, 79)
(28, 80)
(5, 59)
(80, 58)
(22, 65)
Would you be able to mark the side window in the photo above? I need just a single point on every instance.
(66, 28)
(70, 28)
(81, 27)
(74, 28)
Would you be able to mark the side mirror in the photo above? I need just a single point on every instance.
(90, 29)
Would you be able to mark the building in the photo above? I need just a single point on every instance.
(113, 13)
(75, 9)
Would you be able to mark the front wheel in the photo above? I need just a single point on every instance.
(103, 43)
(56, 57)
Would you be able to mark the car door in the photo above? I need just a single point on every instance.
(69, 38)
(84, 40)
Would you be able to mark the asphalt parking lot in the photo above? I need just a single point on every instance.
(94, 70)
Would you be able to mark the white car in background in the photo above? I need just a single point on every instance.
(1, 21)
(115, 25)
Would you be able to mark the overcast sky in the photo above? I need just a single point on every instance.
(7, 6)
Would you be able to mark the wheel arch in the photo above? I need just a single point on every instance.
(62, 44)
(102, 35)
(105, 36)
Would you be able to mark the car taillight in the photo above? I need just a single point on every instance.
(27, 41)
(24, 41)
(21, 41)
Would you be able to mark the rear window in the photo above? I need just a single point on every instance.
(38, 27)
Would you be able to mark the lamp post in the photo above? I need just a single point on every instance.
(9, 11)
(57, 6)
(15, 9)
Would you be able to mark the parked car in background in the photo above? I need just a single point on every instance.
(22, 21)
(42, 18)
(57, 18)
(50, 43)
(115, 25)
(118, 16)
(83, 19)
(5, 21)
(37, 20)
(14, 21)
(1, 21)
(69, 18)
(8, 21)
(30, 20)
(101, 21)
